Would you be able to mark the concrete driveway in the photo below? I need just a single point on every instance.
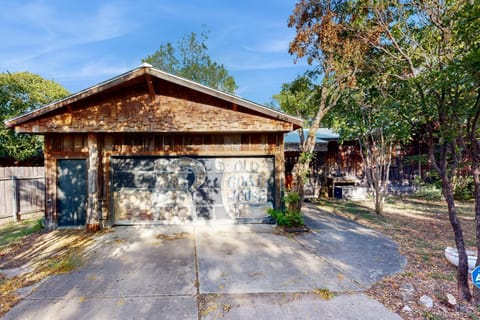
(233, 272)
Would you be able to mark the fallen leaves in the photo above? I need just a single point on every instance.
(45, 254)
(323, 293)
(422, 230)
(175, 236)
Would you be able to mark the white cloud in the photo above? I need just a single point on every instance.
(95, 69)
(38, 28)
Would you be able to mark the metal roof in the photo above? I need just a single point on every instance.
(147, 69)
(323, 136)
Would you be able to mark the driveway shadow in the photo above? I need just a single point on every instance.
(360, 253)
(165, 272)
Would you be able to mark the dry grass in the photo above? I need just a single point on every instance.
(40, 254)
(422, 230)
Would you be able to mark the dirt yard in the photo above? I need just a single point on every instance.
(28, 257)
(422, 230)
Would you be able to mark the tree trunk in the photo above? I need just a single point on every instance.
(303, 164)
(462, 270)
(297, 185)
(476, 180)
(376, 157)
(379, 201)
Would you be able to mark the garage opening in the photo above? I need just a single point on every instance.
(173, 190)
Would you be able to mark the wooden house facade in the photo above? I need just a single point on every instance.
(150, 147)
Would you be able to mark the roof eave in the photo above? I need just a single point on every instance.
(297, 122)
(145, 69)
(102, 86)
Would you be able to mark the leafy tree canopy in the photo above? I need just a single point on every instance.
(19, 93)
(190, 60)
(299, 97)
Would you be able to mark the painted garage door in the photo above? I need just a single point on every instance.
(183, 189)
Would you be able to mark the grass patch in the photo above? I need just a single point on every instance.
(12, 232)
(437, 275)
(429, 193)
(44, 254)
(64, 265)
(409, 274)
(353, 210)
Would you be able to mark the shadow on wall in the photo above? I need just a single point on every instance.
(179, 189)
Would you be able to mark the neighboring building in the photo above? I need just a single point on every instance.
(333, 163)
(340, 164)
(150, 147)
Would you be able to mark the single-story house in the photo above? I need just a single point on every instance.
(151, 147)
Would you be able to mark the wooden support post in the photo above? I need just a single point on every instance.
(93, 207)
(279, 171)
(16, 202)
(51, 215)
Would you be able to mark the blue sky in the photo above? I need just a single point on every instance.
(80, 43)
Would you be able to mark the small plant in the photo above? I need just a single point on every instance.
(305, 157)
(325, 294)
(291, 201)
(287, 218)
(291, 198)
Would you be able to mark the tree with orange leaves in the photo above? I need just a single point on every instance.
(324, 37)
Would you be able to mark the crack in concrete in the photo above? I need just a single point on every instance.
(197, 277)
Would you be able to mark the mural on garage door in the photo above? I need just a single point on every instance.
(181, 189)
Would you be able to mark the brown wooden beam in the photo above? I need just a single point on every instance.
(151, 88)
(93, 207)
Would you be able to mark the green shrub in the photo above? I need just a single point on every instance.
(291, 200)
(287, 218)
(428, 192)
(463, 188)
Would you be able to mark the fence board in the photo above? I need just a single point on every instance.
(30, 188)
(6, 172)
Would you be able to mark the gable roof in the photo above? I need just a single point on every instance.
(147, 69)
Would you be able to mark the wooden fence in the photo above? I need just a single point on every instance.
(22, 193)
